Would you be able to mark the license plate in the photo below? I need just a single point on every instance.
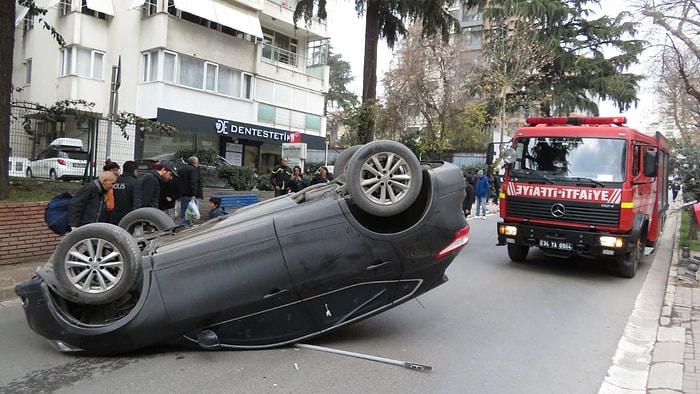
(78, 165)
(545, 243)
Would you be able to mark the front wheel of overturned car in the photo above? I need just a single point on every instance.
(518, 253)
(628, 263)
(96, 264)
(384, 178)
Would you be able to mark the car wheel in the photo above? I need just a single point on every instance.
(144, 221)
(52, 175)
(96, 264)
(518, 253)
(628, 263)
(29, 173)
(384, 178)
(341, 163)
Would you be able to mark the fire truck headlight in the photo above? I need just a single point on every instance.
(511, 231)
(611, 242)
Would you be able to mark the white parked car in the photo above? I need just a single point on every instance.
(64, 159)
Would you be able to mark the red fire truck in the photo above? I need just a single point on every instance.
(584, 187)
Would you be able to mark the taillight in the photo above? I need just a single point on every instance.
(461, 239)
(61, 162)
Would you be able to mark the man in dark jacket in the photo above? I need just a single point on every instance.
(147, 189)
(89, 203)
(281, 177)
(469, 197)
(124, 192)
(190, 187)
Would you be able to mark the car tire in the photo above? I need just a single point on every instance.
(629, 262)
(145, 221)
(29, 173)
(518, 253)
(384, 178)
(341, 163)
(52, 174)
(96, 264)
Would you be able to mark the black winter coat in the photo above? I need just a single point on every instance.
(87, 205)
(123, 196)
(190, 182)
(147, 190)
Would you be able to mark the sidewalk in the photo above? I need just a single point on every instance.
(659, 351)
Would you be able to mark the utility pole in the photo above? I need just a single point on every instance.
(113, 103)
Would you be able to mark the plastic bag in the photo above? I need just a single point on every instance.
(192, 212)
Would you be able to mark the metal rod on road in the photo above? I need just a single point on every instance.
(405, 364)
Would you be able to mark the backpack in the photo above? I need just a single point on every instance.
(56, 213)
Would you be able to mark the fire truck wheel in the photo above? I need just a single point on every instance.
(628, 263)
(518, 253)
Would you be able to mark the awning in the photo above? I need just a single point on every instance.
(20, 13)
(137, 3)
(236, 18)
(103, 6)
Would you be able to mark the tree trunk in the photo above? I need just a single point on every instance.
(369, 75)
(7, 30)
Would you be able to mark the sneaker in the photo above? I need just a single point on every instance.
(483, 217)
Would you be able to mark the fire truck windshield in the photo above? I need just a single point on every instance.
(573, 158)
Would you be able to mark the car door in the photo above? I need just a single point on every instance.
(340, 271)
(41, 165)
(233, 280)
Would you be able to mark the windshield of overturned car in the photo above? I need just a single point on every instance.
(570, 158)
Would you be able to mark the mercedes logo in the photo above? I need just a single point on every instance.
(558, 210)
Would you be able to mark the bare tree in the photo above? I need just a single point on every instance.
(678, 60)
(427, 89)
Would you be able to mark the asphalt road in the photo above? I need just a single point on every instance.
(545, 326)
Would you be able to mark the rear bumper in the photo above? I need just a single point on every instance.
(556, 241)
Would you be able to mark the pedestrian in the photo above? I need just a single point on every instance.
(676, 182)
(88, 204)
(469, 197)
(215, 209)
(321, 176)
(109, 197)
(280, 177)
(124, 192)
(482, 192)
(191, 188)
(297, 181)
(169, 197)
(496, 188)
(147, 189)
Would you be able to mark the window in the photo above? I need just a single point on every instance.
(636, 153)
(28, 24)
(313, 122)
(89, 11)
(150, 66)
(82, 62)
(65, 7)
(210, 75)
(150, 7)
(169, 66)
(247, 88)
(191, 72)
(28, 72)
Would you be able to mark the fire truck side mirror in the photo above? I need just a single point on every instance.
(509, 155)
(651, 164)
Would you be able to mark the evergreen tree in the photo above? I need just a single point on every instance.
(591, 54)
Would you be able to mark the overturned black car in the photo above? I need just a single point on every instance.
(275, 273)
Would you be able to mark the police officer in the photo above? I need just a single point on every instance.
(124, 192)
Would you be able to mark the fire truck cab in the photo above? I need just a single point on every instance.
(584, 187)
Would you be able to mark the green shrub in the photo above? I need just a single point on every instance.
(237, 177)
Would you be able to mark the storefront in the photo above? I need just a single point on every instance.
(244, 144)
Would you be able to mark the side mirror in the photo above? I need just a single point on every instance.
(509, 155)
(651, 165)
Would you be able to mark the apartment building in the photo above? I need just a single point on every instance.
(236, 76)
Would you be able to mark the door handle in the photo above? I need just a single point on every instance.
(275, 293)
(377, 265)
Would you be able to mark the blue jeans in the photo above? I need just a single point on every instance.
(481, 205)
(184, 201)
